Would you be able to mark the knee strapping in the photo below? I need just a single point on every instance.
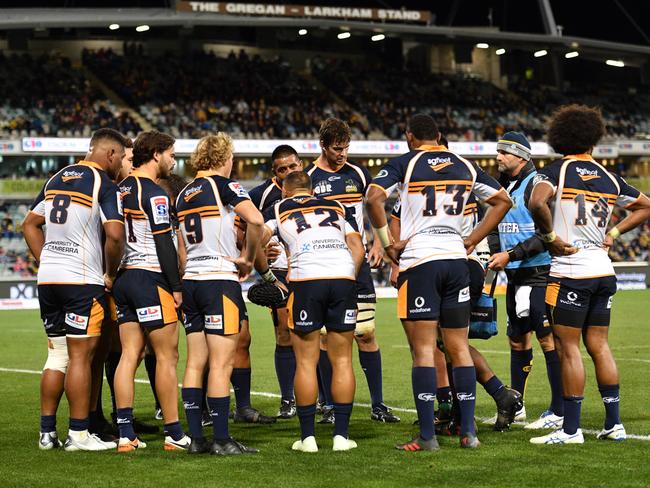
(57, 354)
(365, 319)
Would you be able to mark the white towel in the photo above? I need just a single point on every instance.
(522, 301)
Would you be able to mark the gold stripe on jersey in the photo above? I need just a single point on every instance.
(135, 214)
(285, 215)
(440, 185)
(49, 194)
(345, 197)
(470, 209)
(590, 196)
(201, 210)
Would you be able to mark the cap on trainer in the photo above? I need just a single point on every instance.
(515, 143)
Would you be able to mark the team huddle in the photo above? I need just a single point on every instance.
(123, 260)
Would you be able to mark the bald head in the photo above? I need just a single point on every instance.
(296, 182)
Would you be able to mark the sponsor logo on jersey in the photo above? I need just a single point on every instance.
(125, 190)
(192, 192)
(350, 186)
(463, 295)
(322, 187)
(213, 322)
(333, 178)
(238, 189)
(350, 316)
(149, 314)
(382, 174)
(71, 175)
(609, 302)
(160, 208)
(587, 174)
(426, 397)
(305, 247)
(572, 295)
(419, 302)
(437, 164)
(76, 321)
(508, 227)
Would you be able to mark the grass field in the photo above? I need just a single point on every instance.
(505, 459)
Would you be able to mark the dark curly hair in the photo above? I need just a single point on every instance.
(150, 142)
(575, 129)
(334, 131)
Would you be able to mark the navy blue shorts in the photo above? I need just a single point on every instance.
(145, 297)
(435, 290)
(74, 310)
(213, 306)
(476, 281)
(317, 303)
(580, 302)
(365, 285)
(536, 320)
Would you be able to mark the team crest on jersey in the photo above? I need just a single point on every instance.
(587, 174)
(238, 189)
(192, 192)
(71, 175)
(160, 209)
(322, 187)
(350, 186)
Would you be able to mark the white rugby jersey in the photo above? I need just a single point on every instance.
(347, 186)
(584, 196)
(264, 196)
(206, 215)
(313, 231)
(435, 188)
(146, 212)
(75, 203)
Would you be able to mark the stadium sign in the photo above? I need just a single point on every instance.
(10, 146)
(321, 12)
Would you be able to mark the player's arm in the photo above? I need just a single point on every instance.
(378, 191)
(499, 204)
(355, 244)
(182, 253)
(110, 208)
(247, 211)
(33, 233)
(538, 204)
(394, 227)
(638, 206)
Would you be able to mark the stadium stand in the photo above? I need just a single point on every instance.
(46, 95)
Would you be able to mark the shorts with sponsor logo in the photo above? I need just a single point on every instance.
(316, 303)
(73, 310)
(365, 285)
(580, 302)
(214, 306)
(435, 290)
(145, 297)
(536, 320)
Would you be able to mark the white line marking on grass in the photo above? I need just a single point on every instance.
(264, 394)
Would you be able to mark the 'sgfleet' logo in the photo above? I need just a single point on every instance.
(192, 192)
(71, 175)
(587, 174)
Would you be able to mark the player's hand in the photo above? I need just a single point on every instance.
(469, 246)
(498, 261)
(108, 282)
(608, 242)
(375, 255)
(560, 248)
(394, 273)
(178, 299)
(272, 251)
(244, 267)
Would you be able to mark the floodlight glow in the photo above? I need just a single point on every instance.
(539, 54)
(344, 35)
(482, 45)
(615, 62)
(500, 52)
(142, 28)
(572, 54)
(302, 32)
(114, 26)
(378, 37)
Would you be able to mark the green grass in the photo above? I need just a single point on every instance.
(505, 459)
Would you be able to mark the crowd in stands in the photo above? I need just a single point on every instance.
(15, 259)
(45, 95)
(633, 245)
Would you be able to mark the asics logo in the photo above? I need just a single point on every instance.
(465, 397)
(426, 397)
(190, 406)
(123, 420)
(611, 399)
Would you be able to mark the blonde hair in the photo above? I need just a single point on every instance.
(212, 152)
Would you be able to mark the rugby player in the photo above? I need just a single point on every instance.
(212, 299)
(519, 249)
(325, 254)
(334, 178)
(284, 160)
(433, 282)
(64, 232)
(571, 203)
(148, 289)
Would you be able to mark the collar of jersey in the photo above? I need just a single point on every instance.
(329, 170)
(206, 173)
(92, 164)
(140, 174)
(580, 157)
(427, 147)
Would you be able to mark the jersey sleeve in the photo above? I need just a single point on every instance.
(110, 202)
(350, 220)
(485, 187)
(155, 203)
(270, 220)
(628, 194)
(256, 195)
(390, 176)
(397, 209)
(232, 193)
(549, 175)
(367, 178)
(38, 207)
